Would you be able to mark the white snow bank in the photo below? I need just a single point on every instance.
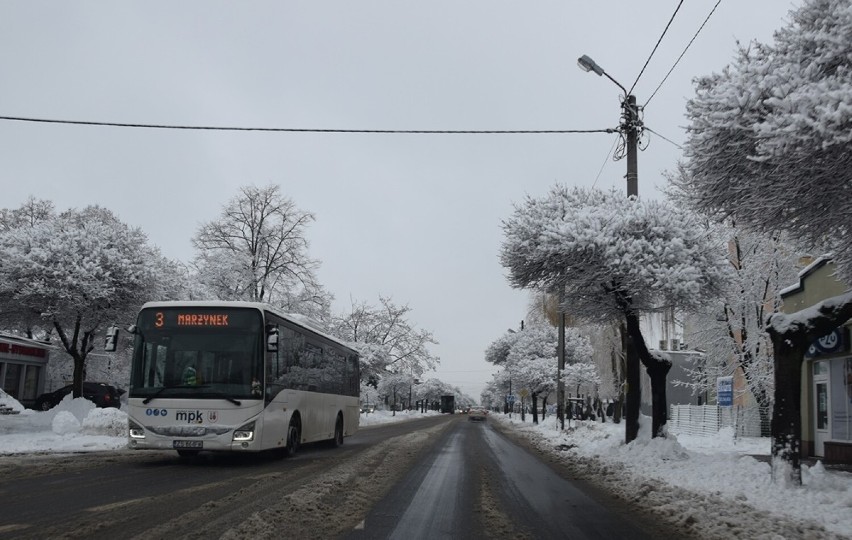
(74, 425)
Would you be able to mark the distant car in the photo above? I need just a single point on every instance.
(101, 394)
(368, 408)
(477, 414)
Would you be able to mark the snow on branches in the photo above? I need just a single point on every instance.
(769, 137)
(599, 245)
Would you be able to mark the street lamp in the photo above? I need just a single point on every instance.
(629, 128)
(587, 64)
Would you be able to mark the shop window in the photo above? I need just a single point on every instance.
(31, 382)
(11, 385)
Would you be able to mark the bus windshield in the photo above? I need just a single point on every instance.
(198, 352)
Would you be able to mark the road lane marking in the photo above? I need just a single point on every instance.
(113, 506)
(14, 527)
(121, 504)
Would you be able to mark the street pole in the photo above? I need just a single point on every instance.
(560, 385)
(631, 121)
(630, 126)
(633, 395)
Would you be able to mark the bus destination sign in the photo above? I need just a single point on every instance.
(161, 319)
(202, 319)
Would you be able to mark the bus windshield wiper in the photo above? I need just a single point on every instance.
(226, 397)
(163, 389)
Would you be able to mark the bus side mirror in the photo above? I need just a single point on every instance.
(111, 339)
(272, 338)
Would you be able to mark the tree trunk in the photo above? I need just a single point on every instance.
(616, 410)
(534, 398)
(659, 407)
(633, 392)
(657, 370)
(763, 404)
(78, 348)
(789, 352)
(543, 407)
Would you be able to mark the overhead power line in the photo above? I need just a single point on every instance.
(666, 29)
(683, 53)
(663, 137)
(307, 130)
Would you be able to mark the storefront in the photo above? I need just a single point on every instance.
(826, 406)
(22, 367)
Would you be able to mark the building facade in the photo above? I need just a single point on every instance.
(23, 365)
(826, 404)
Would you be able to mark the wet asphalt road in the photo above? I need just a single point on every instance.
(476, 483)
(436, 477)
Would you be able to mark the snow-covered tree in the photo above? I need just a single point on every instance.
(732, 331)
(388, 340)
(393, 387)
(257, 250)
(769, 143)
(534, 364)
(79, 272)
(529, 358)
(776, 124)
(613, 257)
(498, 351)
(31, 213)
(14, 317)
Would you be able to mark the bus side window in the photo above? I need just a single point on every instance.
(353, 375)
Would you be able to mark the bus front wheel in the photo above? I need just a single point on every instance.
(294, 435)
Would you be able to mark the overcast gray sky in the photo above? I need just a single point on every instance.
(415, 217)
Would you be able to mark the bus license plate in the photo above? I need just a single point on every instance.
(187, 444)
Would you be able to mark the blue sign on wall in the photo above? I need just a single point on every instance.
(725, 391)
(836, 341)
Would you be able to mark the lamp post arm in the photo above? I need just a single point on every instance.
(616, 82)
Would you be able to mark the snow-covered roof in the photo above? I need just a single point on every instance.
(12, 338)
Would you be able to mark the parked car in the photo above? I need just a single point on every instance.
(477, 414)
(101, 394)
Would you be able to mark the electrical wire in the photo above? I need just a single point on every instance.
(666, 29)
(606, 159)
(307, 130)
(683, 53)
(663, 137)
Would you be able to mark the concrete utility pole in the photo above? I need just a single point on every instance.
(633, 394)
(630, 126)
(560, 384)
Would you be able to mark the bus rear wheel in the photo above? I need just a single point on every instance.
(338, 432)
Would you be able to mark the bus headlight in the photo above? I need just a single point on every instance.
(135, 430)
(244, 432)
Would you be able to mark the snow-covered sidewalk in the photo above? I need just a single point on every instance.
(712, 485)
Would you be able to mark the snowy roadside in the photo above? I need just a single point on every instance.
(710, 485)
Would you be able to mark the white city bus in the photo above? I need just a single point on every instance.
(237, 377)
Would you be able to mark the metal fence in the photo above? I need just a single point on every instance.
(707, 420)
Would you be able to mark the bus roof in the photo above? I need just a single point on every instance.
(297, 319)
